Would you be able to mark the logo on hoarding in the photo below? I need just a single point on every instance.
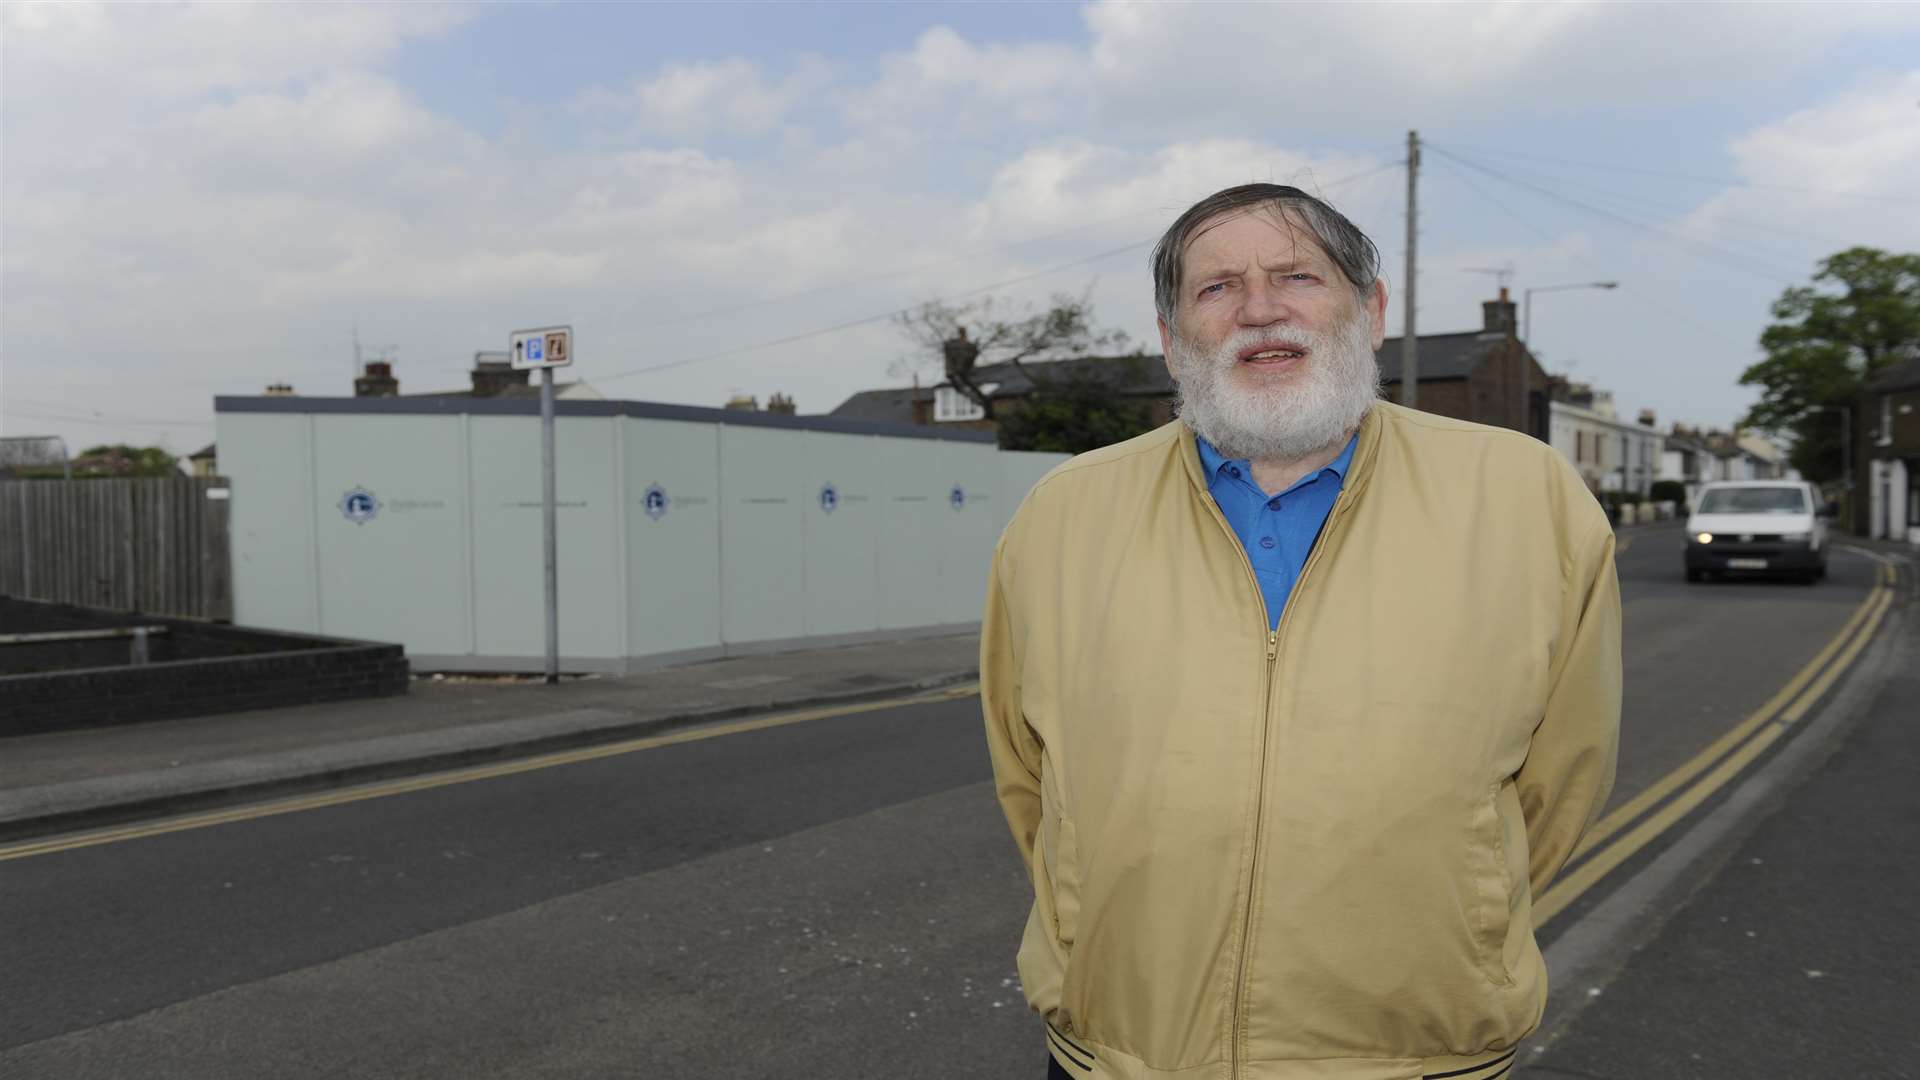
(957, 498)
(359, 506)
(656, 502)
(829, 498)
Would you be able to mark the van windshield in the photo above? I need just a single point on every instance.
(1754, 500)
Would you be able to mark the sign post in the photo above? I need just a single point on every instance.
(546, 348)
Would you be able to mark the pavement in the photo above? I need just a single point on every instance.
(63, 781)
(1797, 952)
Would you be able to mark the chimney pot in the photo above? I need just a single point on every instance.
(377, 381)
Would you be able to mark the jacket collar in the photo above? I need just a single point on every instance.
(1359, 472)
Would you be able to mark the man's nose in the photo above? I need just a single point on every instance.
(1263, 304)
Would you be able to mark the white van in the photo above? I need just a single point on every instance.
(1773, 527)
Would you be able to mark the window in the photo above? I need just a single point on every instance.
(1580, 447)
(1886, 419)
(950, 404)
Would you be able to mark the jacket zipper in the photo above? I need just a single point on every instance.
(1266, 723)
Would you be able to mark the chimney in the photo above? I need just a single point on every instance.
(1647, 418)
(1497, 316)
(780, 403)
(743, 403)
(493, 374)
(377, 382)
(279, 389)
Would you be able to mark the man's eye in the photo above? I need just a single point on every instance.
(1213, 288)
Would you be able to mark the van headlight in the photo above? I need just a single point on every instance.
(1704, 538)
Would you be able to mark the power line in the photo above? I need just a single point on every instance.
(930, 264)
(852, 323)
(896, 272)
(1767, 228)
(1688, 176)
(837, 327)
(103, 420)
(1647, 298)
(1741, 261)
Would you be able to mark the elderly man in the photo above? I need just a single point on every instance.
(1296, 703)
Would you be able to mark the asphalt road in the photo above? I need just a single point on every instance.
(834, 898)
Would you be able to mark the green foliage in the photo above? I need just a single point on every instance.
(1083, 410)
(121, 460)
(1826, 342)
(1673, 491)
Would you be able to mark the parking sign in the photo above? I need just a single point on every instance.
(542, 347)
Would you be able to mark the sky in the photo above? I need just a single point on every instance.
(200, 200)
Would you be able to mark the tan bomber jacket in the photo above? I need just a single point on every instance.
(1310, 852)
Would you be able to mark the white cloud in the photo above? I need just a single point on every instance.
(965, 89)
(1823, 178)
(225, 191)
(702, 99)
(1323, 67)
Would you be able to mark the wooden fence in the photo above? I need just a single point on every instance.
(155, 545)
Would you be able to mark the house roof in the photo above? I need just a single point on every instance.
(205, 453)
(1136, 374)
(881, 406)
(1442, 356)
(1896, 376)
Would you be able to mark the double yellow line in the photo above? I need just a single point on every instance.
(48, 846)
(1720, 762)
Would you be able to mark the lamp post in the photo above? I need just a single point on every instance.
(1526, 320)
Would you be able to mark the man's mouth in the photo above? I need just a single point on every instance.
(1269, 354)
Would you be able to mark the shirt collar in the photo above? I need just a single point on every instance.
(1214, 463)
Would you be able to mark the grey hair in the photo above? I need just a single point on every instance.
(1344, 243)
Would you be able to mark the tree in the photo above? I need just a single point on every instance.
(1082, 410)
(121, 460)
(1824, 344)
(966, 337)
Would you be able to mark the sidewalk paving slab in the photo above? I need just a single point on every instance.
(95, 776)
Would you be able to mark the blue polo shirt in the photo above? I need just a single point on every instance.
(1277, 531)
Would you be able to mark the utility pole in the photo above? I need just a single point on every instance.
(1409, 336)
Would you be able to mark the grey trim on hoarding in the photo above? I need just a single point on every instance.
(632, 665)
(641, 410)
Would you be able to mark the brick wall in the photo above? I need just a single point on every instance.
(235, 669)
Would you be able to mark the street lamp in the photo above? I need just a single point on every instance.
(1526, 321)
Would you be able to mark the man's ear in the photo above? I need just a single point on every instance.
(1166, 348)
(1377, 313)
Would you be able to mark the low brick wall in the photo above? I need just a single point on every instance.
(247, 669)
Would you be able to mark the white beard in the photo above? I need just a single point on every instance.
(1318, 407)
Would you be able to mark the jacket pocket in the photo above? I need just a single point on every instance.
(1060, 854)
(1493, 889)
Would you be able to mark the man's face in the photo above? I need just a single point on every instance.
(1274, 350)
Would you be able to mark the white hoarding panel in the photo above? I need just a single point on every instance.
(762, 571)
(915, 514)
(673, 536)
(509, 598)
(267, 457)
(842, 531)
(1019, 471)
(974, 516)
(392, 530)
